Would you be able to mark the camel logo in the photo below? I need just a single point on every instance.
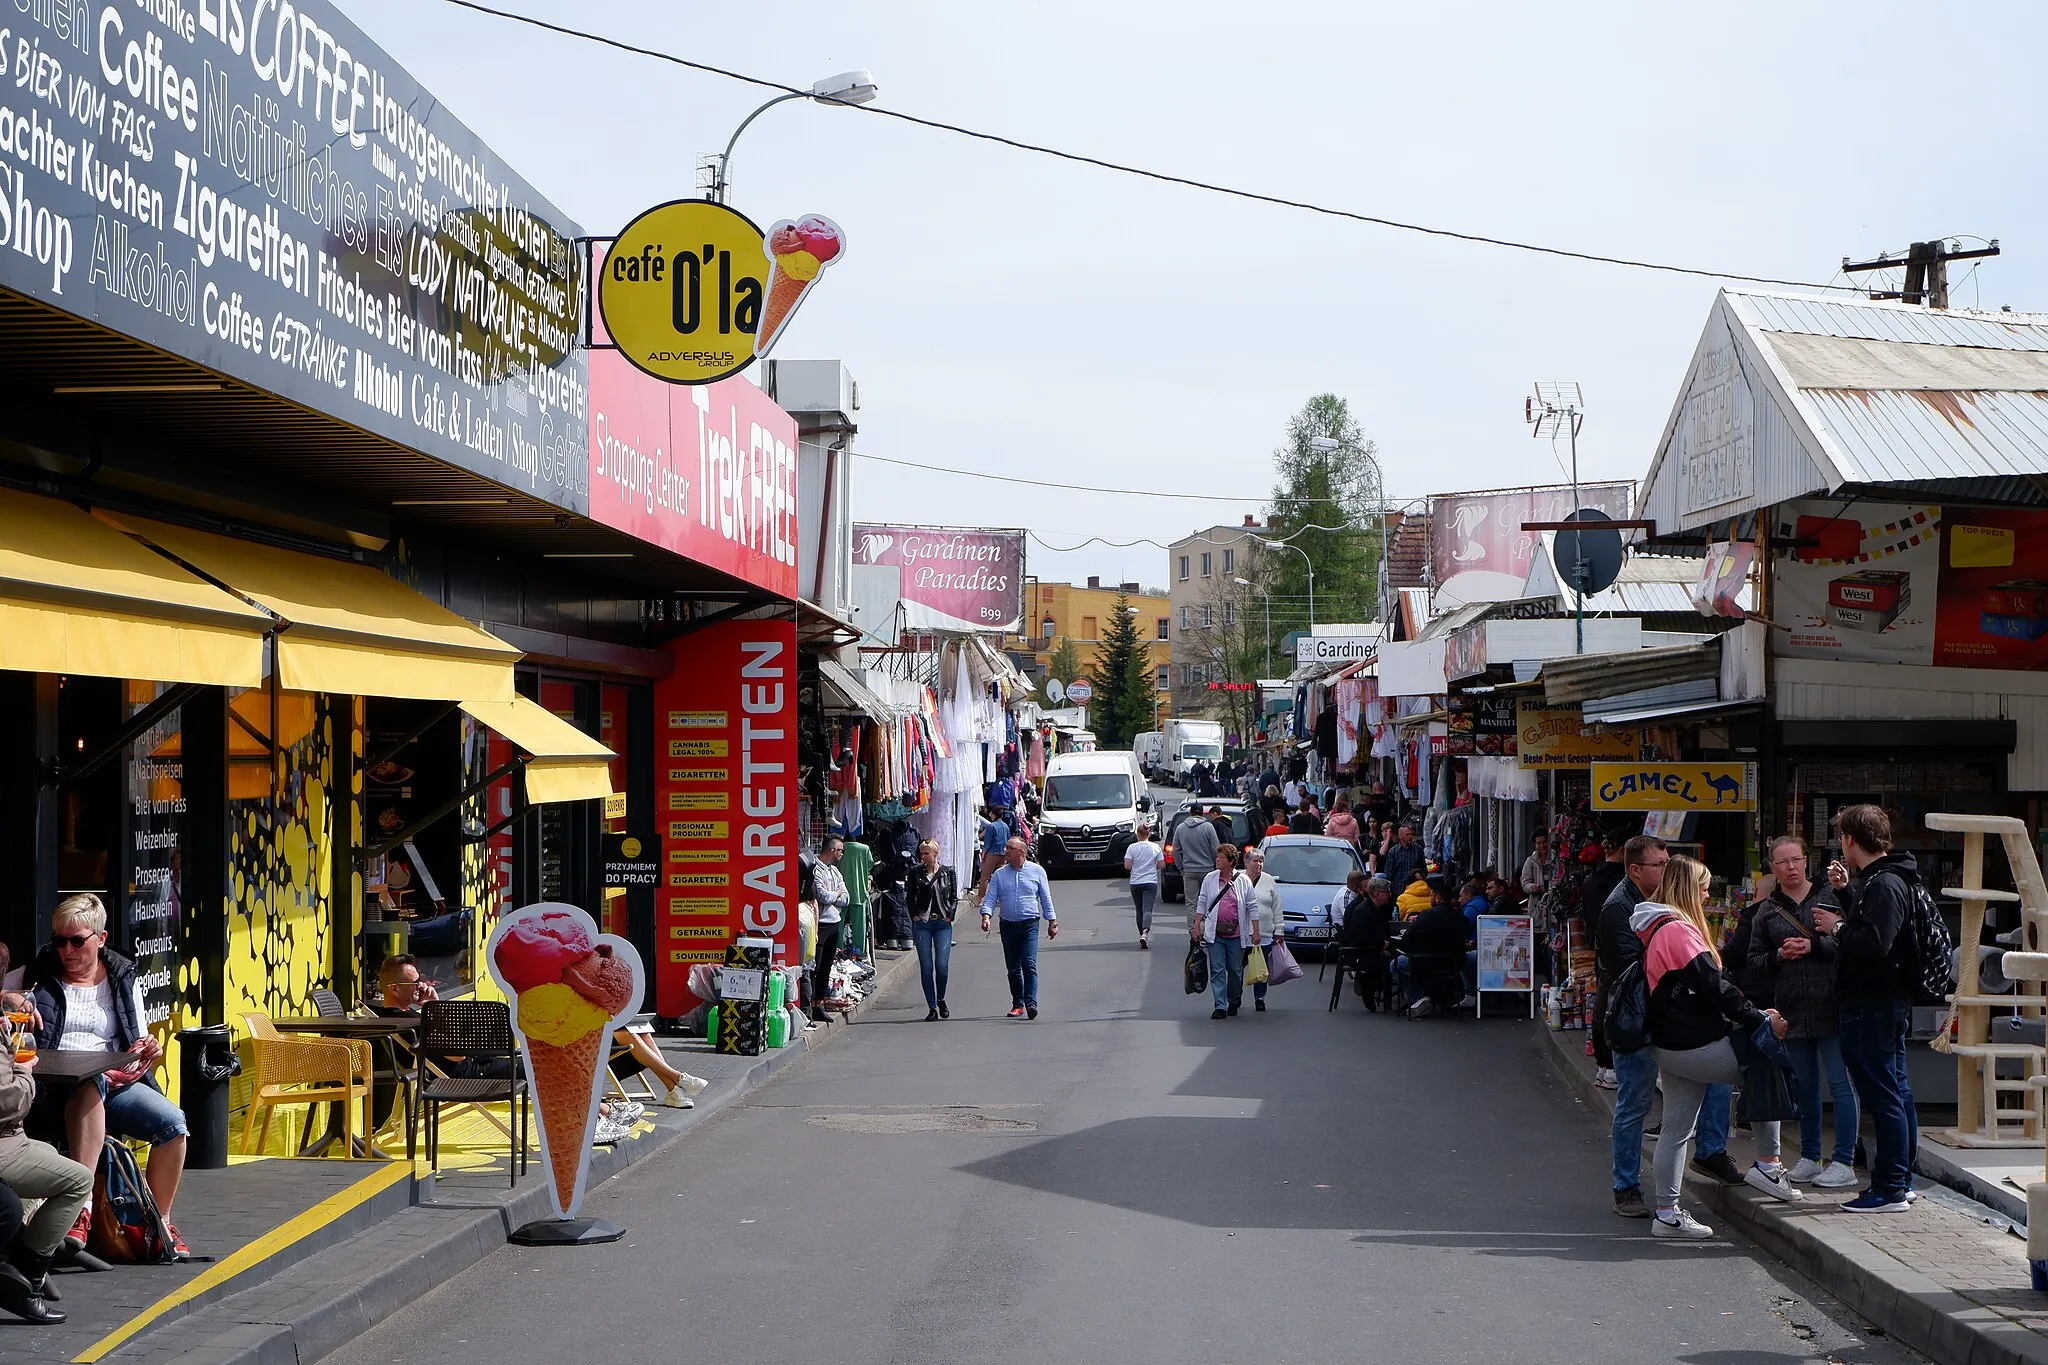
(1674, 786)
(1724, 785)
(873, 545)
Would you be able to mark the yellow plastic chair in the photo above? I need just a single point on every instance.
(305, 1071)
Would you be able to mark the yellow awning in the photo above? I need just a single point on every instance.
(353, 630)
(77, 596)
(564, 764)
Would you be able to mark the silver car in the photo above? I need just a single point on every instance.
(1311, 869)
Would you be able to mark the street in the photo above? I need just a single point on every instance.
(1125, 1179)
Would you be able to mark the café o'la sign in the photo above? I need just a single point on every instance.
(692, 291)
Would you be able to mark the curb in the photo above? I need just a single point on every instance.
(325, 1300)
(1890, 1294)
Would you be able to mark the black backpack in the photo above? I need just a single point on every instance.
(1628, 1003)
(1934, 973)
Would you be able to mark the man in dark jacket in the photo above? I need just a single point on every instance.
(1874, 981)
(1405, 859)
(1433, 952)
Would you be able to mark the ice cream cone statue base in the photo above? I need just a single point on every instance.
(570, 988)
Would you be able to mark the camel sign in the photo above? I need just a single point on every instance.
(1674, 786)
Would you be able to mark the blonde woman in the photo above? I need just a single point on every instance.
(1692, 1008)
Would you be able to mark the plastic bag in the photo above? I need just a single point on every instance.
(704, 981)
(1282, 965)
(1256, 972)
(1195, 974)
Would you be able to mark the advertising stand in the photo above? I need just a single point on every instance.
(1507, 958)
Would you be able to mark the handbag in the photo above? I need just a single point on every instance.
(1280, 962)
(1256, 973)
(1195, 972)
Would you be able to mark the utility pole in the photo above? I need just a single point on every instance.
(1926, 266)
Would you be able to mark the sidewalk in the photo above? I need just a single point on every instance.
(1940, 1278)
(324, 1249)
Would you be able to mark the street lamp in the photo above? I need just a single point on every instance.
(1328, 445)
(1267, 598)
(1283, 545)
(848, 87)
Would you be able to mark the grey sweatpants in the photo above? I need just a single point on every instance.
(36, 1170)
(1686, 1076)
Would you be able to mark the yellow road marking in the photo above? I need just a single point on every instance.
(270, 1243)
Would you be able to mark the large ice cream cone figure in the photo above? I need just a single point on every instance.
(798, 253)
(570, 986)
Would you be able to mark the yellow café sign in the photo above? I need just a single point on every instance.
(692, 291)
(1674, 786)
(1557, 737)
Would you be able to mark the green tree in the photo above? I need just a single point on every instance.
(1064, 666)
(1326, 502)
(1122, 705)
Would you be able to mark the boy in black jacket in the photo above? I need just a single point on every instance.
(1874, 953)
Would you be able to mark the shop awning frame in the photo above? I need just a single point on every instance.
(561, 762)
(854, 695)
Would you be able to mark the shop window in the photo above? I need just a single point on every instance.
(414, 890)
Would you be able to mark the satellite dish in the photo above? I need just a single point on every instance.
(1055, 690)
(1588, 561)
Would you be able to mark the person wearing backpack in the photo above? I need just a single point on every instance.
(1693, 1010)
(1874, 984)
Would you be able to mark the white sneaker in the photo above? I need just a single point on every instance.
(1680, 1224)
(1422, 1008)
(1839, 1175)
(626, 1112)
(691, 1085)
(1805, 1170)
(1606, 1079)
(1468, 1002)
(1771, 1180)
(1912, 1196)
(674, 1098)
(608, 1133)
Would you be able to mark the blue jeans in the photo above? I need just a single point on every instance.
(1873, 1039)
(142, 1112)
(1020, 958)
(1226, 973)
(1636, 1073)
(934, 940)
(1815, 1060)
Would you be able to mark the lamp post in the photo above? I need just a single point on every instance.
(1330, 445)
(848, 87)
(1311, 566)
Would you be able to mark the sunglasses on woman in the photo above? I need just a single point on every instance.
(73, 940)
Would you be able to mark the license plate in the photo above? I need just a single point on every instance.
(1310, 931)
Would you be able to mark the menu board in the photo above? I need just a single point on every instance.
(153, 905)
(1480, 725)
(260, 189)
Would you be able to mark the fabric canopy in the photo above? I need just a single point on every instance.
(77, 596)
(352, 630)
(563, 763)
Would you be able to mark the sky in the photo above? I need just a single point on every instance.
(1008, 313)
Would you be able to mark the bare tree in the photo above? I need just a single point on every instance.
(1225, 647)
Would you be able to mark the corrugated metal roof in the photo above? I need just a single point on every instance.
(1881, 321)
(1589, 677)
(1902, 436)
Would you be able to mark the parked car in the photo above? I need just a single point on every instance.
(1311, 869)
(1241, 833)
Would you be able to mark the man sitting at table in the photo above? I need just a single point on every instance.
(38, 1171)
(89, 1001)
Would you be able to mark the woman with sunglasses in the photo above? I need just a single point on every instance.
(88, 1000)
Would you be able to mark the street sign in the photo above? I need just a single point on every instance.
(1079, 691)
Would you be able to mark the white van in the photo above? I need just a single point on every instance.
(1150, 747)
(1091, 806)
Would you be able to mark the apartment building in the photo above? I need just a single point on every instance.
(1082, 612)
(1204, 597)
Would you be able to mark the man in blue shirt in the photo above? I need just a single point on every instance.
(1019, 894)
(995, 837)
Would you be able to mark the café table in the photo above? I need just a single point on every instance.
(76, 1068)
(380, 1030)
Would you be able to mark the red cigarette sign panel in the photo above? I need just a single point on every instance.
(728, 827)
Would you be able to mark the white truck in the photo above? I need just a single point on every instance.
(1150, 747)
(1188, 742)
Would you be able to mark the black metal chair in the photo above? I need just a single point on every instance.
(327, 1004)
(469, 1056)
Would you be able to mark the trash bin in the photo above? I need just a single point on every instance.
(206, 1062)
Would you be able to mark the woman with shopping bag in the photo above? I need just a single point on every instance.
(1266, 927)
(1222, 922)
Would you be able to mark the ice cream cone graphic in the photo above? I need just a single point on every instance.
(798, 253)
(569, 987)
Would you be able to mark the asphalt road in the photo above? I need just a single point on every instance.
(1125, 1180)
